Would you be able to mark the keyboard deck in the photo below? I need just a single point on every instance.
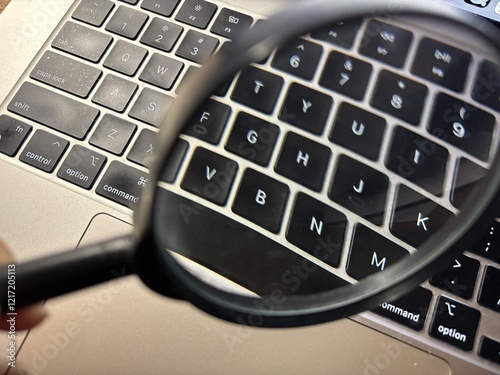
(303, 134)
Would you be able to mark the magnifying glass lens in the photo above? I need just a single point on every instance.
(328, 161)
(338, 156)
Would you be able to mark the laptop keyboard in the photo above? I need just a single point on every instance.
(89, 108)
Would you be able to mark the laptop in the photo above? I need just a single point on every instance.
(49, 206)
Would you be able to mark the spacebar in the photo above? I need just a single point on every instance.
(235, 251)
(53, 110)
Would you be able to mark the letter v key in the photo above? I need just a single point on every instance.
(210, 173)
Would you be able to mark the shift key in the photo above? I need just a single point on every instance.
(53, 110)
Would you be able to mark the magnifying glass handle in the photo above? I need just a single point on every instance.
(39, 279)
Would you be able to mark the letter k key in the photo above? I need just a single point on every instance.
(421, 221)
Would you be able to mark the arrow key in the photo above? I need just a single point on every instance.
(459, 278)
(44, 150)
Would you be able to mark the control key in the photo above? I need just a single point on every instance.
(44, 150)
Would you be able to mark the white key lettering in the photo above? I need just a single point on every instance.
(379, 264)
(260, 198)
(421, 221)
(316, 226)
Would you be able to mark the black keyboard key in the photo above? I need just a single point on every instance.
(409, 310)
(82, 166)
(125, 58)
(73, 38)
(303, 161)
(127, 22)
(196, 13)
(340, 33)
(197, 47)
(346, 75)
(306, 108)
(144, 149)
(415, 217)
(133, 2)
(468, 175)
(386, 43)
(239, 253)
(175, 160)
(261, 200)
(151, 107)
(317, 229)
(359, 188)
(209, 121)
(66, 74)
(459, 278)
(358, 130)
(252, 138)
(399, 96)
(455, 323)
(486, 88)
(258, 89)
(490, 349)
(161, 71)
(12, 134)
(44, 150)
(462, 125)
(162, 7)
(65, 115)
(231, 23)
(115, 93)
(161, 34)
(113, 134)
(371, 252)
(299, 58)
(489, 244)
(93, 12)
(122, 184)
(442, 64)
(418, 159)
(489, 295)
(210, 176)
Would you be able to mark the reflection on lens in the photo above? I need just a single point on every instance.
(339, 155)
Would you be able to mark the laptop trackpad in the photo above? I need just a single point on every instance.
(124, 328)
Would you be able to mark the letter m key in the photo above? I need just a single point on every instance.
(379, 264)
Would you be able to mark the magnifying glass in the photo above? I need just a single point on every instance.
(273, 220)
